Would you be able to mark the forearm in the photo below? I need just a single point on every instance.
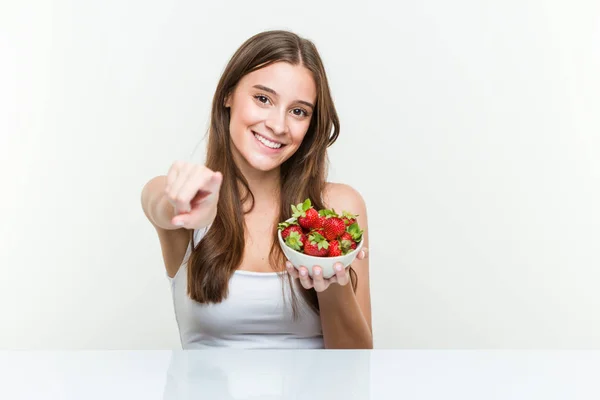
(156, 204)
(343, 323)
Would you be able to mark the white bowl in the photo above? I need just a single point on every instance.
(326, 263)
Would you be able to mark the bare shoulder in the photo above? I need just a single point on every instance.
(343, 197)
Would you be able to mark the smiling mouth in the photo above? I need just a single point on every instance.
(268, 143)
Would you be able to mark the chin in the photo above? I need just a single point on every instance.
(263, 165)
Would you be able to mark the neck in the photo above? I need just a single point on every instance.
(265, 185)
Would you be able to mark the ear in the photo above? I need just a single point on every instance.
(227, 101)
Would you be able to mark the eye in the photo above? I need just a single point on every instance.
(299, 112)
(262, 99)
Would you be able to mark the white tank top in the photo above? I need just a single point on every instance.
(253, 315)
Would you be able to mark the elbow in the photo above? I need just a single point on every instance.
(365, 343)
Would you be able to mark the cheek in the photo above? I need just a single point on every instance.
(246, 114)
(298, 132)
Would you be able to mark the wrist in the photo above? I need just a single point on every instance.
(163, 212)
(337, 293)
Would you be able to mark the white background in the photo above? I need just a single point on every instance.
(471, 129)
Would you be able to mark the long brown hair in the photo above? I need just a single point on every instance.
(219, 253)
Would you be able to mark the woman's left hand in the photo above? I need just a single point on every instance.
(341, 277)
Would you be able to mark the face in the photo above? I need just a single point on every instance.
(270, 112)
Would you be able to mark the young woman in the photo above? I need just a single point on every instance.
(272, 121)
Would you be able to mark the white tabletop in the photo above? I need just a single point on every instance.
(300, 374)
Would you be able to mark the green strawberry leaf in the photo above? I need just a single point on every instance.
(348, 215)
(346, 244)
(323, 245)
(327, 213)
(293, 241)
(282, 225)
(316, 237)
(297, 211)
(306, 205)
(355, 231)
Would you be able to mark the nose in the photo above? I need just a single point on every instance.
(277, 122)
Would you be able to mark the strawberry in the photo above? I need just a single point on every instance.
(347, 241)
(316, 245)
(348, 218)
(320, 233)
(291, 228)
(306, 215)
(319, 224)
(346, 236)
(310, 220)
(355, 232)
(295, 240)
(347, 246)
(333, 227)
(328, 213)
(335, 249)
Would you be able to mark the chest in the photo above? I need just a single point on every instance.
(258, 241)
(256, 313)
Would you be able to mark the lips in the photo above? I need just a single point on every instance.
(269, 139)
(267, 143)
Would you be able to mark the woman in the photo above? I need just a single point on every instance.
(272, 121)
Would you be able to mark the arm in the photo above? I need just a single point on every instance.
(186, 198)
(156, 205)
(193, 189)
(159, 211)
(345, 315)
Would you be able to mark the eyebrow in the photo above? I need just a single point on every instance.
(267, 89)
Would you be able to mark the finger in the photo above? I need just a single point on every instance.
(197, 180)
(175, 188)
(318, 281)
(331, 280)
(341, 274)
(305, 279)
(214, 184)
(176, 176)
(364, 253)
(172, 174)
(291, 270)
(186, 219)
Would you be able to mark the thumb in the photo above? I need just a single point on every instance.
(181, 220)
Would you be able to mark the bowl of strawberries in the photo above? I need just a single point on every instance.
(320, 237)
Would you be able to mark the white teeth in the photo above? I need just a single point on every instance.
(267, 142)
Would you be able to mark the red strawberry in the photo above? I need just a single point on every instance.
(316, 245)
(292, 228)
(306, 215)
(319, 223)
(333, 227)
(335, 249)
(355, 232)
(347, 246)
(348, 221)
(346, 236)
(348, 218)
(310, 220)
(347, 241)
(295, 240)
(320, 231)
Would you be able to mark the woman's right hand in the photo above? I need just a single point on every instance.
(193, 190)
